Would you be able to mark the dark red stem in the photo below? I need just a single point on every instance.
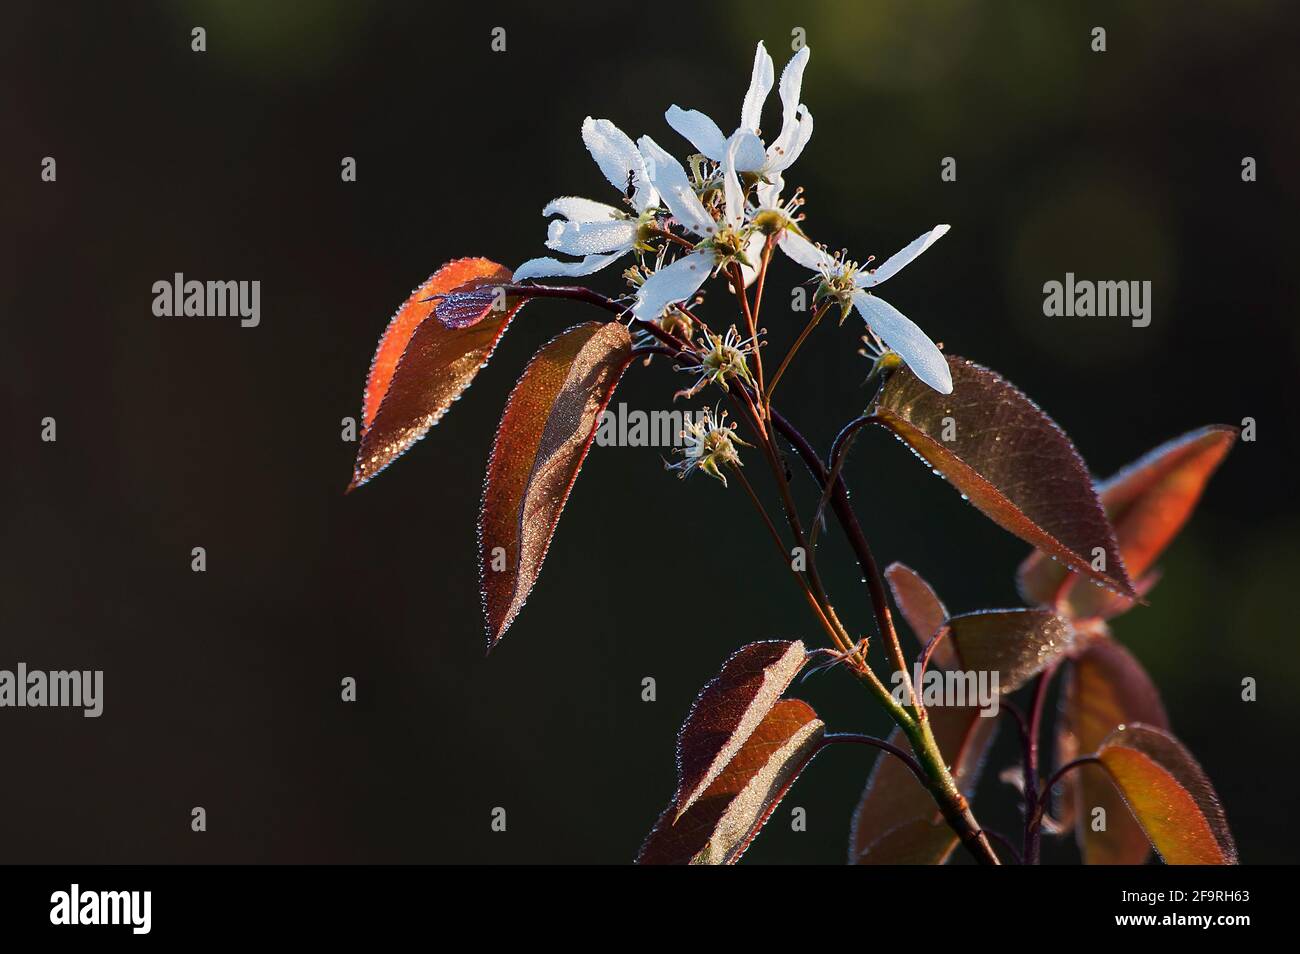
(889, 747)
(1033, 813)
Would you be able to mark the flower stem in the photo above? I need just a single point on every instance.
(832, 482)
(825, 610)
(943, 788)
(761, 281)
(780, 547)
(794, 348)
(853, 530)
(738, 283)
(952, 804)
(673, 237)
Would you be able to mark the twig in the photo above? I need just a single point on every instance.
(794, 348)
(780, 547)
(738, 283)
(889, 747)
(1033, 812)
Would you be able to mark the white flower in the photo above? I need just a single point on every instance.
(598, 232)
(848, 282)
(721, 241)
(751, 156)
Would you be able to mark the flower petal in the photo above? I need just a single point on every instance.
(760, 84)
(768, 192)
(554, 268)
(733, 195)
(791, 86)
(668, 176)
(618, 158)
(590, 238)
(806, 253)
(792, 82)
(782, 153)
(901, 335)
(753, 252)
(750, 156)
(699, 130)
(677, 282)
(895, 262)
(576, 209)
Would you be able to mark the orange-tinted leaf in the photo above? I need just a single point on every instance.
(413, 311)
(1149, 502)
(897, 821)
(1014, 643)
(922, 609)
(1169, 795)
(1105, 688)
(545, 431)
(728, 710)
(719, 826)
(422, 364)
(1009, 459)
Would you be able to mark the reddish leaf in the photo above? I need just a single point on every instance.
(421, 366)
(897, 821)
(545, 431)
(728, 710)
(1106, 688)
(1148, 502)
(1169, 795)
(922, 609)
(921, 841)
(1014, 643)
(719, 826)
(1009, 459)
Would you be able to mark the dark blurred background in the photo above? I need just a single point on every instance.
(222, 688)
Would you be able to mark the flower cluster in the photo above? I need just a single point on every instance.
(709, 445)
(722, 358)
(723, 217)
